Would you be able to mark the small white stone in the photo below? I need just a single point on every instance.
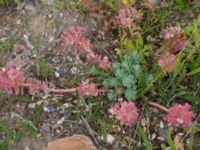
(61, 15)
(153, 136)
(32, 105)
(66, 105)
(51, 39)
(57, 74)
(161, 124)
(18, 22)
(109, 138)
(61, 120)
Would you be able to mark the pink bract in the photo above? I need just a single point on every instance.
(82, 44)
(76, 31)
(87, 89)
(104, 63)
(177, 45)
(179, 115)
(11, 80)
(68, 39)
(149, 5)
(138, 16)
(167, 62)
(171, 32)
(74, 37)
(123, 19)
(35, 86)
(126, 112)
(92, 58)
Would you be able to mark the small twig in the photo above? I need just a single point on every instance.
(91, 133)
(138, 123)
(196, 121)
(154, 104)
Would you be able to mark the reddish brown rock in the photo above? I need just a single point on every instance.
(75, 142)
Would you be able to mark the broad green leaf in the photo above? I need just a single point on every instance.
(170, 141)
(197, 38)
(193, 72)
(139, 42)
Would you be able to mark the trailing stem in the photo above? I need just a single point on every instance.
(154, 104)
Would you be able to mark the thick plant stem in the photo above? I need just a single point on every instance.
(69, 90)
(62, 90)
(154, 104)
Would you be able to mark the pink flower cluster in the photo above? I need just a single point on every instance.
(74, 37)
(125, 17)
(126, 112)
(87, 89)
(13, 81)
(177, 45)
(102, 62)
(167, 61)
(171, 32)
(179, 115)
(35, 85)
(149, 5)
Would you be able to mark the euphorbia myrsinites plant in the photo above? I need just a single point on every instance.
(14, 81)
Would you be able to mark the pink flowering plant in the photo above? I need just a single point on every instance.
(171, 32)
(144, 73)
(75, 37)
(13, 81)
(167, 61)
(126, 112)
(179, 115)
(125, 17)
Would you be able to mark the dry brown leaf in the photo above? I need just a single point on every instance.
(178, 144)
(75, 142)
(128, 2)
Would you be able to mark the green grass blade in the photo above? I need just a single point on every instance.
(145, 139)
(170, 141)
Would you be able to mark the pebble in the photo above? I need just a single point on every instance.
(32, 105)
(49, 108)
(60, 121)
(60, 72)
(46, 127)
(74, 70)
(109, 138)
(83, 58)
(56, 60)
(162, 133)
(153, 136)
(51, 39)
(161, 124)
(66, 105)
(75, 142)
(28, 43)
(40, 94)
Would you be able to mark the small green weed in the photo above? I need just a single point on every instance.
(128, 77)
(37, 115)
(8, 44)
(3, 2)
(114, 4)
(44, 70)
